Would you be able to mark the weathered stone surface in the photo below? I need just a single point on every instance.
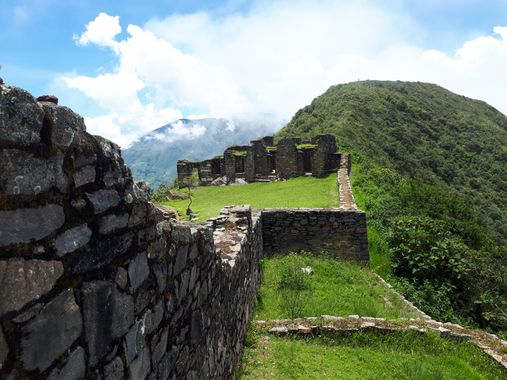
(74, 368)
(138, 270)
(25, 224)
(114, 370)
(134, 341)
(181, 259)
(22, 173)
(20, 116)
(102, 200)
(122, 278)
(159, 346)
(22, 281)
(140, 367)
(160, 271)
(108, 314)
(157, 316)
(100, 254)
(138, 215)
(72, 239)
(51, 333)
(113, 222)
(4, 348)
(64, 123)
(48, 98)
(84, 176)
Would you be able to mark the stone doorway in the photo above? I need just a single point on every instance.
(272, 162)
(239, 164)
(307, 161)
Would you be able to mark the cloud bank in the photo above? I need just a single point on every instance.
(271, 60)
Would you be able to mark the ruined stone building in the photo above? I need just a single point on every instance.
(262, 160)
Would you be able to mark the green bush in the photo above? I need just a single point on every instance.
(425, 249)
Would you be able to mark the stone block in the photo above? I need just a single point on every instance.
(23, 281)
(64, 124)
(108, 314)
(51, 332)
(22, 173)
(113, 222)
(181, 259)
(138, 215)
(26, 224)
(135, 340)
(4, 348)
(20, 117)
(138, 271)
(114, 370)
(84, 176)
(160, 271)
(159, 346)
(141, 366)
(103, 200)
(74, 368)
(100, 254)
(72, 239)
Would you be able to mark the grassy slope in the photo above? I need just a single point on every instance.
(338, 288)
(422, 131)
(366, 356)
(296, 192)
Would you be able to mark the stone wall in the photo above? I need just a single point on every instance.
(96, 282)
(262, 161)
(342, 233)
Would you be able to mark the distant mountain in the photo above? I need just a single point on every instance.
(153, 157)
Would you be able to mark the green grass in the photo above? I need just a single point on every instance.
(365, 355)
(293, 193)
(337, 288)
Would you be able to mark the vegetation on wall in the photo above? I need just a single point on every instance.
(429, 168)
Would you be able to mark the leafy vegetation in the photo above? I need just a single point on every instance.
(365, 355)
(293, 193)
(335, 287)
(239, 153)
(429, 168)
(305, 146)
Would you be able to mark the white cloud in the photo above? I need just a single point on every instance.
(179, 131)
(101, 31)
(272, 60)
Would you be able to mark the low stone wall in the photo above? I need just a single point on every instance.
(341, 233)
(491, 344)
(96, 282)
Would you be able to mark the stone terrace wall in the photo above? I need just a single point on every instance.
(95, 282)
(342, 233)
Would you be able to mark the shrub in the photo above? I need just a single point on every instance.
(424, 249)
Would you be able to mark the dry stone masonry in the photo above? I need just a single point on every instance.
(98, 283)
(262, 160)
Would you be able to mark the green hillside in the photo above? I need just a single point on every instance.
(430, 169)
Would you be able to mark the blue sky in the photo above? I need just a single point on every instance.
(232, 58)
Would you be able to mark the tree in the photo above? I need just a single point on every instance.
(189, 183)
